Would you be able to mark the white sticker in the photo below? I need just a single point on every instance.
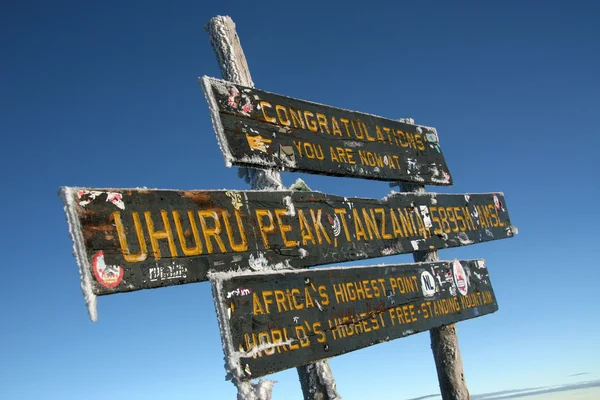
(337, 226)
(427, 283)
(426, 217)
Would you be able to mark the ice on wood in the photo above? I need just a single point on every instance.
(299, 186)
(233, 366)
(228, 50)
(261, 390)
(234, 68)
(303, 253)
(216, 121)
(260, 263)
(291, 210)
(327, 380)
(68, 196)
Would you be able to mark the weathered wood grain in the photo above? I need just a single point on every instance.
(265, 130)
(139, 239)
(278, 320)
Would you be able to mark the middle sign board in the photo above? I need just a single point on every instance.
(132, 239)
(265, 130)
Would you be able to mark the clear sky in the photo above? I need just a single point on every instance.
(105, 94)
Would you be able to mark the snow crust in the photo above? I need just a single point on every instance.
(255, 160)
(463, 238)
(265, 346)
(234, 69)
(299, 186)
(261, 179)
(222, 276)
(291, 210)
(260, 263)
(327, 380)
(231, 59)
(213, 107)
(262, 390)
(247, 390)
(232, 366)
(303, 252)
(85, 275)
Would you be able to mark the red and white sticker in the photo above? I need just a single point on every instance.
(460, 277)
(497, 203)
(87, 196)
(108, 275)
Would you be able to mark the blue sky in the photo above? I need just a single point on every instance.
(105, 94)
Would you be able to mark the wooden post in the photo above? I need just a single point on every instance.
(316, 379)
(444, 345)
(444, 340)
(234, 68)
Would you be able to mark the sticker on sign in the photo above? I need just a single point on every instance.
(261, 129)
(133, 239)
(277, 320)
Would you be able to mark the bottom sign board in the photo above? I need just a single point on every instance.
(271, 321)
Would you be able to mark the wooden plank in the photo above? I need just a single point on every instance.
(131, 239)
(266, 130)
(278, 320)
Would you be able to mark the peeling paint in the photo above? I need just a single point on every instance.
(87, 196)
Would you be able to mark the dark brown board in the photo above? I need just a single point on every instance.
(131, 239)
(266, 130)
(278, 320)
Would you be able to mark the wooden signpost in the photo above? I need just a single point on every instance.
(275, 315)
(136, 239)
(278, 320)
(261, 129)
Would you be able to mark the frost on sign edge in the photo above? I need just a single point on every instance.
(68, 196)
(216, 120)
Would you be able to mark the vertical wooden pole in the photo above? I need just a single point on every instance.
(444, 340)
(316, 379)
(234, 68)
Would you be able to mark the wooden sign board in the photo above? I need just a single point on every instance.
(266, 130)
(132, 239)
(278, 320)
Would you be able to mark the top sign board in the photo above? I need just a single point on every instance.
(266, 130)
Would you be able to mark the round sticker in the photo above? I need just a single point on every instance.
(497, 203)
(460, 278)
(335, 222)
(427, 283)
(108, 275)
